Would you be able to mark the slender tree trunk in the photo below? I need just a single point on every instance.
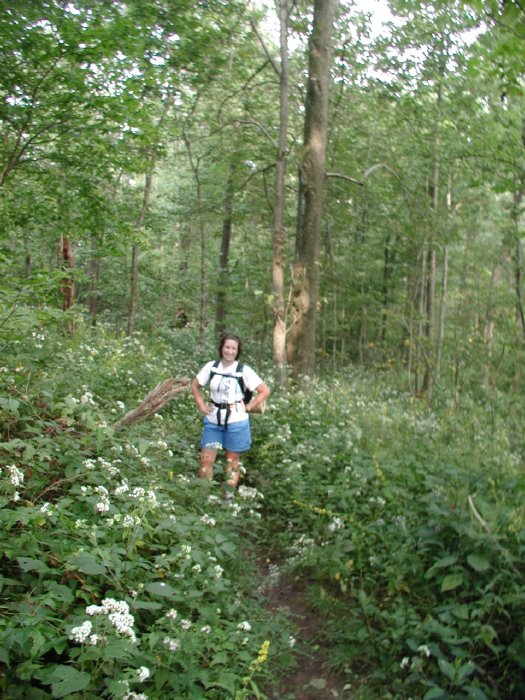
(94, 273)
(279, 234)
(420, 326)
(442, 311)
(220, 310)
(518, 263)
(134, 283)
(142, 215)
(305, 299)
(65, 263)
(194, 165)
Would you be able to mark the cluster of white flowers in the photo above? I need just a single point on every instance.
(111, 469)
(47, 509)
(123, 488)
(185, 550)
(132, 450)
(103, 504)
(206, 629)
(377, 499)
(163, 445)
(218, 570)
(244, 626)
(336, 524)
(16, 475)
(39, 339)
(117, 612)
(186, 624)
(135, 696)
(172, 614)
(81, 633)
(172, 644)
(208, 520)
(143, 673)
(87, 398)
(125, 520)
(249, 493)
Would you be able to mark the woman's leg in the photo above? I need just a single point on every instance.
(232, 469)
(207, 460)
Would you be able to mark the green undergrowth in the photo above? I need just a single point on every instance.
(124, 576)
(407, 527)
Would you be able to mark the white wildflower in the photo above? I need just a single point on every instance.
(16, 475)
(172, 644)
(143, 673)
(80, 634)
(208, 520)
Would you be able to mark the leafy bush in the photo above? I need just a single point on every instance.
(410, 529)
(123, 575)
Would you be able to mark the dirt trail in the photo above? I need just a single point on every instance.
(311, 677)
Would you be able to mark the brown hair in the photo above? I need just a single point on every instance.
(229, 336)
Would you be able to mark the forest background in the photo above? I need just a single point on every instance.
(351, 203)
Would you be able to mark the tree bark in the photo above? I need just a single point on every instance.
(220, 309)
(279, 234)
(135, 252)
(94, 273)
(305, 291)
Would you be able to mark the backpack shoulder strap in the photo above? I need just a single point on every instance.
(240, 378)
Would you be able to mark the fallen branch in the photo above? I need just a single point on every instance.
(155, 400)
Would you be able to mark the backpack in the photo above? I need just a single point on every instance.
(247, 394)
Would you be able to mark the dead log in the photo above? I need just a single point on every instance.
(155, 400)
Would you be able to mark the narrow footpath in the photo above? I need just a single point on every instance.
(310, 678)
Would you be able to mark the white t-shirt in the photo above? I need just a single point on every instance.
(226, 389)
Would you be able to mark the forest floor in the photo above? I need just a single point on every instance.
(310, 678)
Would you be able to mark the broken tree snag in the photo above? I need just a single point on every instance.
(155, 400)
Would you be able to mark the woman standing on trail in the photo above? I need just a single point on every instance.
(226, 419)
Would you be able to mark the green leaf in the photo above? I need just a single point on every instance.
(477, 562)
(66, 680)
(28, 564)
(435, 693)
(447, 669)
(474, 693)
(87, 564)
(450, 582)
(160, 588)
(443, 563)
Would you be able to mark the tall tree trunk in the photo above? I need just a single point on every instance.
(65, 263)
(220, 310)
(305, 293)
(518, 263)
(442, 310)
(135, 253)
(94, 273)
(194, 165)
(142, 215)
(279, 234)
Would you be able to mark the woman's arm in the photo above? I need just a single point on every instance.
(197, 395)
(263, 392)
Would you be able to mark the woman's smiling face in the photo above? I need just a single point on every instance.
(230, 350)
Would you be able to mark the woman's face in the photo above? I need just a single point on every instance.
(229, 350)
